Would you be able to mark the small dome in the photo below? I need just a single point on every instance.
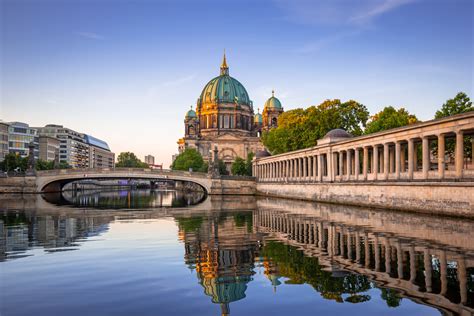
(258, 119)
(273, 103)
(262, 154)
(191, 114)
(337, 133)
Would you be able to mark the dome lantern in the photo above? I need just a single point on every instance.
(224, 67)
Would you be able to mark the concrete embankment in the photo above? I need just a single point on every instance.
(18, 185)
(454, 198)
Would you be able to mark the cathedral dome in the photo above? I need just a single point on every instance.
(273, 103)
(224, 89)
(191, 114)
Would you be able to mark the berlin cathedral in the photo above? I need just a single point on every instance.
(225, 118)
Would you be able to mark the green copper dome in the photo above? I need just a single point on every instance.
(273, 103)
(191, 114)
(224, 89)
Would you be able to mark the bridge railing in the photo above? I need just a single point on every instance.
(124, 171)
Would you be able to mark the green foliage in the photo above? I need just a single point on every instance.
(300, 128)
(239, 167)
(13, 161)
(129, 160)
(44, 165)
(389, 118)
(190, 158)
(248, 163)
(459, 104)
(391, 297)
(190, 224)
(222, 167)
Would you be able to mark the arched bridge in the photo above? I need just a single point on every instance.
(55, 180)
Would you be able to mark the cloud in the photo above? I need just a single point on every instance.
(324, 42)
(90, 35)
(336, 12)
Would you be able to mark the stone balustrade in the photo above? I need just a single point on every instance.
(414, 152)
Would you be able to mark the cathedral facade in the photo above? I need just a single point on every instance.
(224, 118)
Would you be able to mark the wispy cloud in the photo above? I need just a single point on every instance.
(336, 12)
(378, 9)
(324, 42)
(90, 35)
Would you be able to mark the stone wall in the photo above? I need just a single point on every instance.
(244, 186)
(455, 198)
(18, 185)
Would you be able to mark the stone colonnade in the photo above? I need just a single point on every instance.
(398, 258)
(415, 152)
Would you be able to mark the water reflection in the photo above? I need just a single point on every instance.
(347, 255)
(130, 198)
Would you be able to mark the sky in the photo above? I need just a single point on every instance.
(127, 71)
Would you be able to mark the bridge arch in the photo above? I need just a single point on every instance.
(55, 180)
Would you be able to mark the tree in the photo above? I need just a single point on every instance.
(239, 167)
(389, 118)
(248, 163)
(301, 128)
(190, 158)
(44, 165)
(222, 167)
(14, 161)
(129, 160)
(459, 104)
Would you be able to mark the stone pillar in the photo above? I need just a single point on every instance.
(356, 163)
(462, 276)
(428, 270)
(388, 258)
(357, 246)
(426, 156)
(365, 163)
(391, 160)
(349, 164)
(349, 246)
(341, 165)
(441, 156)
(377, 253)
(315, 168)
(399, 260)
(375, 161)
(411, 149)
(386, 160)
(402, 159)
(320, 167)
(443, 269)
(415, 157)
(397, 160)
(412, 264)
(459, 159)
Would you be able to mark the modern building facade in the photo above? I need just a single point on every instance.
(225, 118)
(100, 155)
(48, 148)
(20, 135)
(3, 139)
(79, 150)
(150, 160)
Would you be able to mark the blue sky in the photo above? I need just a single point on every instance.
(127, 71)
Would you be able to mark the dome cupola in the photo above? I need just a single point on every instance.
(273, 102)
(191, 113)
(258, 119)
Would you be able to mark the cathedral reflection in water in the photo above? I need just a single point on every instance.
(342, 252)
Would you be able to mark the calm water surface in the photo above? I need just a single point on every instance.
(164, 253)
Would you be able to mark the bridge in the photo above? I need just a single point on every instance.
(55, 180)
(422, 166)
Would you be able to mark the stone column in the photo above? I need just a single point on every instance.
(388, 258)
(386, 160)
(315, 168)
(391, 160)
(349, 246)
(443, 269)
(320, 167)
(365, 162)
(441, 155)
(356, 163)
(402, 159)
(459, 159)
(412, 264)
(428, 270)
(462, 280)
(426, 156)
(357, 246)
(397, 160)
(349, 164)
(377, 253)
(375, 161)
(366, 250)
(341, 165)
(399, 260)
(411, 149)
(415, 157)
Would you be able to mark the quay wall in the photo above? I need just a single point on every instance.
(448, 198)
(18, 185)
